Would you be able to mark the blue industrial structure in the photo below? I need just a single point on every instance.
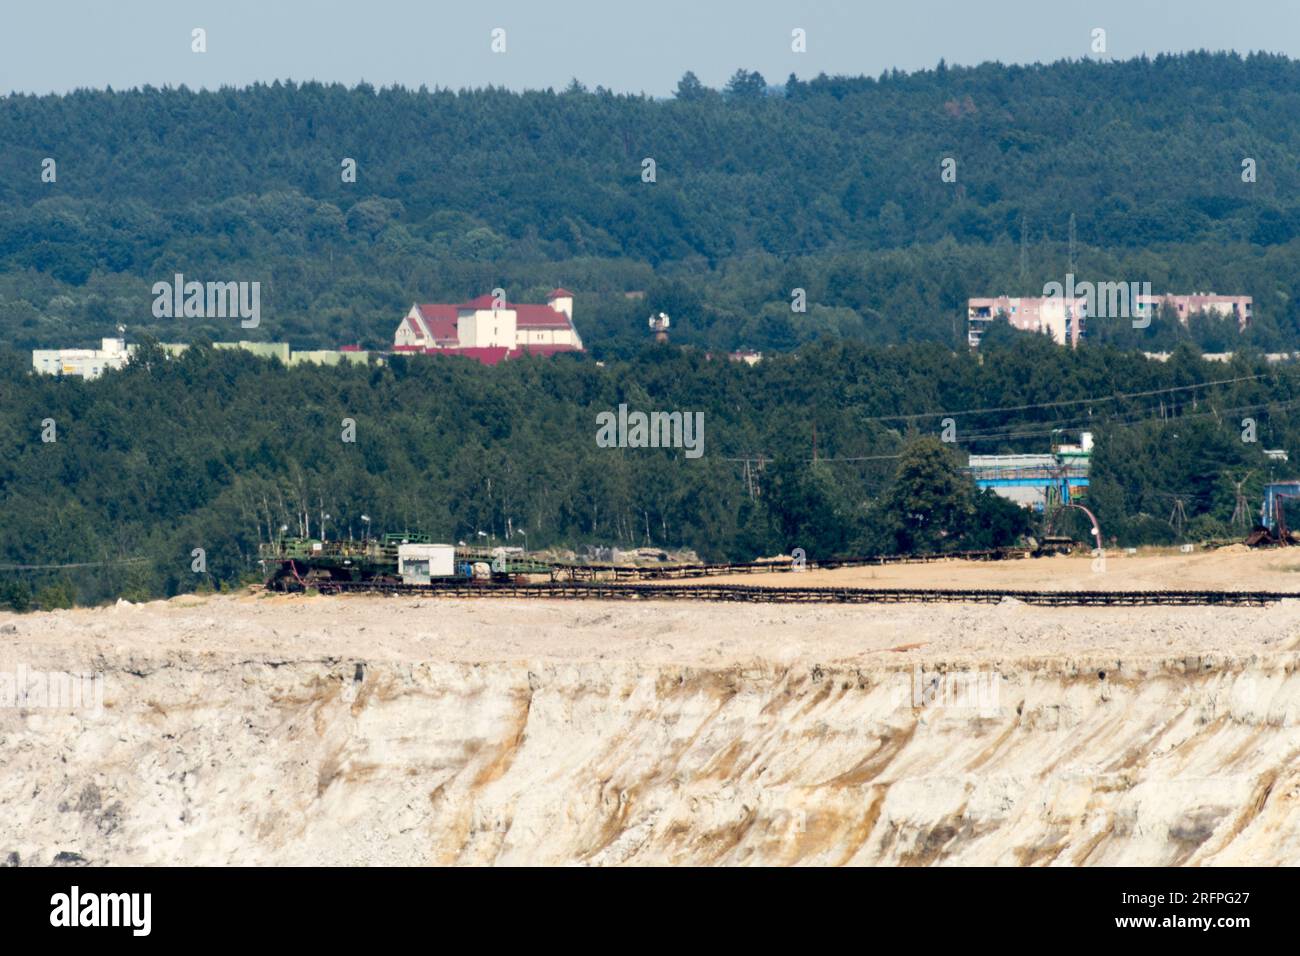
(1063, 484)
(1037, 481)
(1276, 494)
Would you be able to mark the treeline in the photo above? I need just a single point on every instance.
(831, 185)
(833, 448)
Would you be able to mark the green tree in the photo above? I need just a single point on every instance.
(803, 508)
(746, 85)
(930, 502)
(690, 88)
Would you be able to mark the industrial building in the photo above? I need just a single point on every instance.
(1036, 481)
(86, 363)
(91, 363)
(490, 330)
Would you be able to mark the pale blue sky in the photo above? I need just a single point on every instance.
(59, 45)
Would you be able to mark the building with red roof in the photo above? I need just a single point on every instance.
(490, 329)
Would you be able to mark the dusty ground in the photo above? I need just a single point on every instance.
(259, 729)
(1233, 568)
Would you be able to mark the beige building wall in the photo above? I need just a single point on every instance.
(278, 350)
(487, 328)
(327, 357)
(562, 303)
(547, 337)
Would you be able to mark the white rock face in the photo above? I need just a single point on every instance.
(328, 731)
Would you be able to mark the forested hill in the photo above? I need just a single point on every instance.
(219, 449)
(831, 185)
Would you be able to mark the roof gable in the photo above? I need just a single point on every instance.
(439, 320)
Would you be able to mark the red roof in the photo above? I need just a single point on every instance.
(487, 355)
(440, 320)
(540, 317)
(483, 302)
(526, 316)
(560, 293)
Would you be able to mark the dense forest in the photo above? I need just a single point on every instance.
(219, 450)
(1118, 171)
(831, 185)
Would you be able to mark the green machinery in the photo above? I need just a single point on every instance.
(295, 564)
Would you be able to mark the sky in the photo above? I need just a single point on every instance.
(635, 46)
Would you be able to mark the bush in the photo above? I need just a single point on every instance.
(55, 596)
(16, 595)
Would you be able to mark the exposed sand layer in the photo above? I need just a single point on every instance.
(395, 730)
(1234, 568)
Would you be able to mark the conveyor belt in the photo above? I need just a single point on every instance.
(616, 591)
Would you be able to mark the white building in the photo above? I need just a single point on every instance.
(88, 363)
(490, 330)
(1065, 318)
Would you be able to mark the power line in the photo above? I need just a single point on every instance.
(1010, 434)
(1058, 426)
(81, 564)
(1072, 401)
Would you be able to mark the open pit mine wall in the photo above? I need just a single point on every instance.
(218, 761)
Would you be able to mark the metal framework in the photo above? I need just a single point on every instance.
(606, 591)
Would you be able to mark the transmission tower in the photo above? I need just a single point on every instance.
(1241, 512)
(1178, 517)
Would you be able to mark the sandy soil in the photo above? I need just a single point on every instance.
(258, 729)
(1233, 568)
(321, 628)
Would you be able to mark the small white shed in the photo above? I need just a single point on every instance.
(420, 563)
